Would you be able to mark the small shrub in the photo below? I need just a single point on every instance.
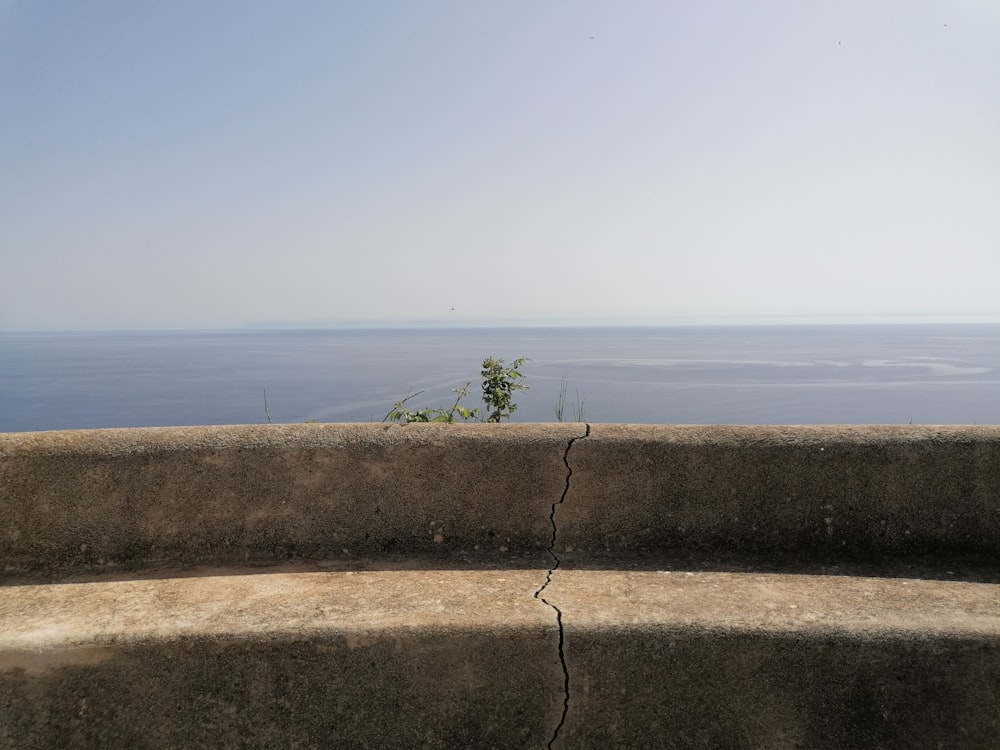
(500, 381)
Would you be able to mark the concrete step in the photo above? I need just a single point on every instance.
(473, 658)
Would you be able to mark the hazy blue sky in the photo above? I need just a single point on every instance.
(209, 163)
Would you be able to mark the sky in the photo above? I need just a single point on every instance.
(192, 164)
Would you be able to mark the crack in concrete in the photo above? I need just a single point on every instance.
(548, 579)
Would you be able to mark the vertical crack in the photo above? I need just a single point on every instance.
(548, 579)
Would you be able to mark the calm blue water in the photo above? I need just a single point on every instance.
(946, 374)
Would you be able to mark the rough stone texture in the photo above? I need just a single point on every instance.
(780, 603)
(475, 688)
(784, 492)
(388, 586)
(97, 499)
(678, 659)
(263, 494)
(439, 658)
(647, 687)
(278, 659)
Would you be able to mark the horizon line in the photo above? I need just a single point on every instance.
(623, 322)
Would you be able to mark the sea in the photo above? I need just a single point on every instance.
(804, 374)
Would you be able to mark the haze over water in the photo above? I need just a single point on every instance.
(924, 374)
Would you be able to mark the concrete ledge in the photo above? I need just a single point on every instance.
(441, 658)
(707, 660)
(313, 660)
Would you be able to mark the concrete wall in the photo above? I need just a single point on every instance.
(262, 494)
(791, 493)
(500, 586)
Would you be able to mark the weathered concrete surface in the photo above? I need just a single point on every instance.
(783, 492)
(777, 603)
(439, 658)
(644, 687)
(129, 499)
(266, 602)
(277, 659)
(423, 608)
(94, 499)
(716, 660)
(433, 690)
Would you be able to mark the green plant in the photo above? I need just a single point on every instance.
(500, 381)
(400, 414)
